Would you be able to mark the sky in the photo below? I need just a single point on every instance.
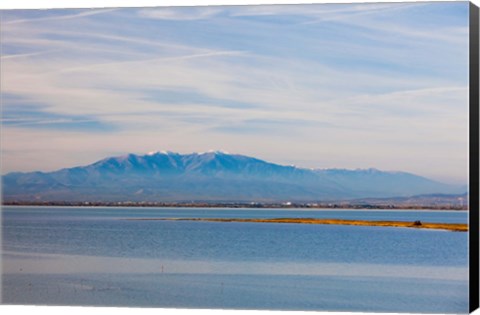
(382, 85)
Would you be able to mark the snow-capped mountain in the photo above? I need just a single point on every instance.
(210, 176)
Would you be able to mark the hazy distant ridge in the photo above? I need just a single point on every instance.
(211, 176)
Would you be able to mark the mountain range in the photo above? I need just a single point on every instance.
(211, 176)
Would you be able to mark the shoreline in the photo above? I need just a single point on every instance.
(249, 208)
(454, 227)
(241, 206)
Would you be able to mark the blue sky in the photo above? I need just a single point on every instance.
(380, 85)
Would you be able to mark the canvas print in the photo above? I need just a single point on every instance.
(269, 157)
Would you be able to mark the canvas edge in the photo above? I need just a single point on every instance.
(474, 158)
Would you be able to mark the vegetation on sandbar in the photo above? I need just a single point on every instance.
(457, 227)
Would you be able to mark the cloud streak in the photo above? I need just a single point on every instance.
(315, 86)
(58, 17)
(181, 14)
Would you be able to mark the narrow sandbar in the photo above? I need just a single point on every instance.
(456, 227)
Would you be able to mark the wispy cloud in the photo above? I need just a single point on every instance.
(319, 13)
(348, 13)
(58, 17)
(12, 56)
(161, 59)
(181, 14)
(323, 85)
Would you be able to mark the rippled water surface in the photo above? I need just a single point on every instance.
(95, 256)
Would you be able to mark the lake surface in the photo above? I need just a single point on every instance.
(94, 256)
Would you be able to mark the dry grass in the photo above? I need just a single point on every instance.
(457, 227)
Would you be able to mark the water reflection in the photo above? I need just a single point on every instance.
(33, 263)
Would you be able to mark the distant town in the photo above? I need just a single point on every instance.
(267, 205)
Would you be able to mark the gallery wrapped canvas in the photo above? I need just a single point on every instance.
(309, 157)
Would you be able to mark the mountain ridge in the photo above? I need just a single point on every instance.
(213, 175)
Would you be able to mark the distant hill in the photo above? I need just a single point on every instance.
(436, 201)
(211, 176)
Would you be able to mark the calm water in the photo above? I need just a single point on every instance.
(93, 256)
